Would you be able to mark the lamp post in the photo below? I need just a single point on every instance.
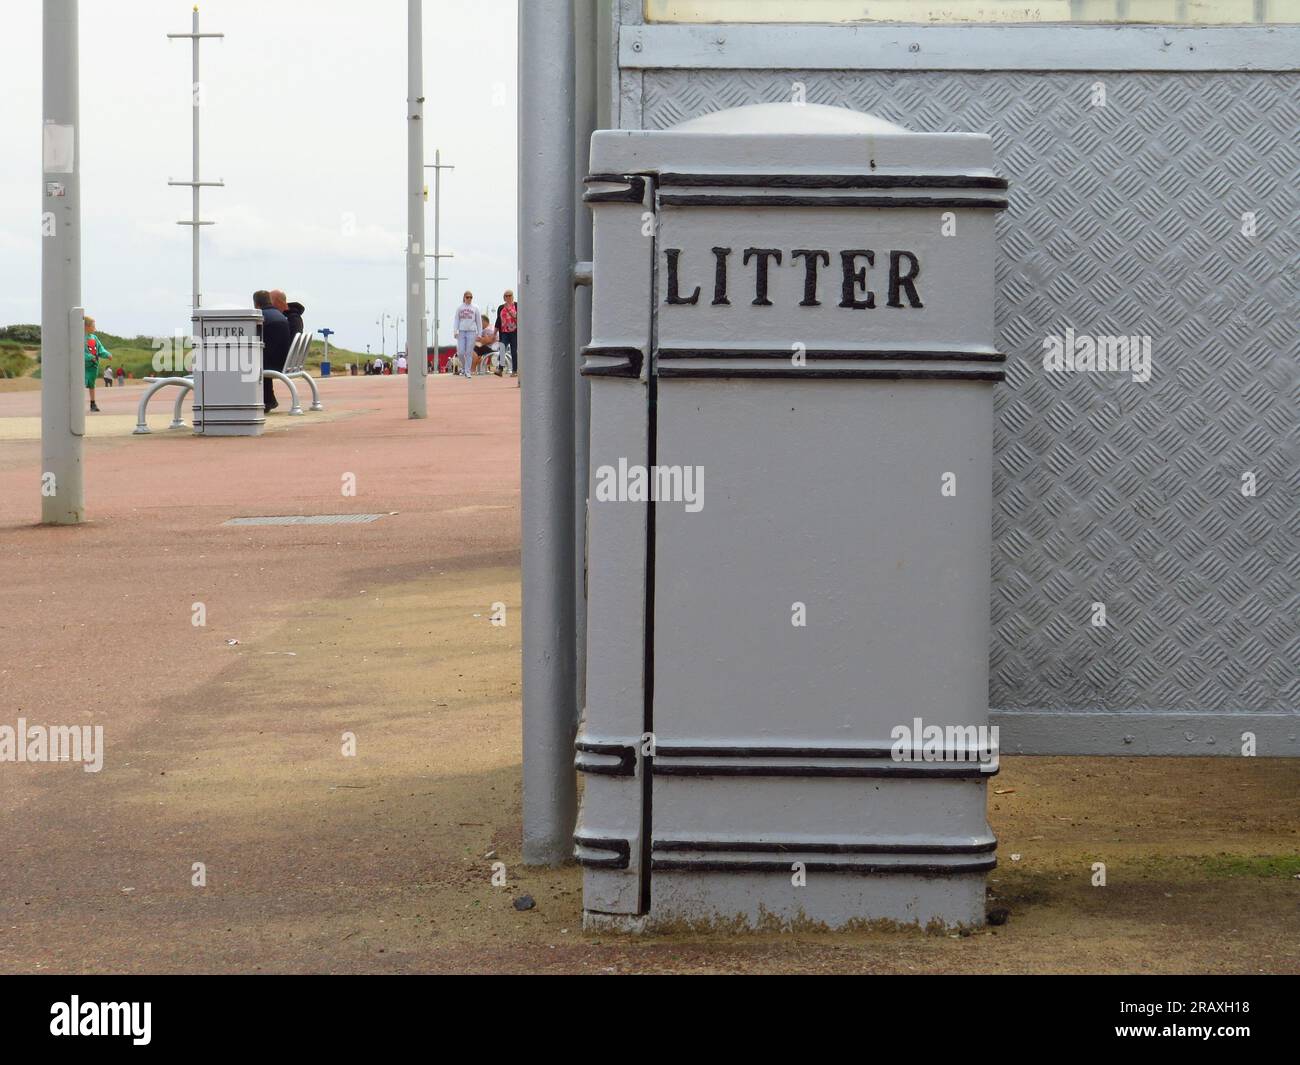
(438, 167)
(195, 183)
(546, 224)
(417, 396)
(63, 400)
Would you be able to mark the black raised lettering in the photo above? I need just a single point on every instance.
(810, 256)
(761, 257)
(674, 296)
(907, 280)
(856, 278)
(720, 277)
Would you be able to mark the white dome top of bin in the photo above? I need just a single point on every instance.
(788, 118)
(788, 138)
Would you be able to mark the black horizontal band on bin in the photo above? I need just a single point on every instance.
(621, 852)
(731, 761)
(629, 364)
(671, 751)
(803, 847)
(634, 193)
(755, 865)
(898, 770)
(863, 354)
(691, 199)
(882, 373)
(227, 406)
(625, 753)
(833, 181)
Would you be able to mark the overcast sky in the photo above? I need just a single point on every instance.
(304, 118)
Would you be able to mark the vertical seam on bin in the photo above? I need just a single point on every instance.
(652, 414)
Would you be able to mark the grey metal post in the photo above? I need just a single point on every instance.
(438, 167)
(416, 368)
(63, 401)
(195, 183)
(546, 219)
(585, 100)
(437, 247)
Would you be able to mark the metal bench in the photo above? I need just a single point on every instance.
(294, 364)
(295, 367)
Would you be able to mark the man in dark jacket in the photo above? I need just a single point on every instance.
(276, 339)
(294, 312)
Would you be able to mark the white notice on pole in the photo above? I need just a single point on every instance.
(60, 150)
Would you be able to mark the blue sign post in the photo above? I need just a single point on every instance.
(325, 359)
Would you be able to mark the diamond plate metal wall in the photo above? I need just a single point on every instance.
(1125, 219)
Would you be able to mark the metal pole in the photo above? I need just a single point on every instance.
(437, 245)
(416, 368)
(438, 168)
(585, 22)
(437, 255)
(546, 204)
(63, 400)
(196, 182)
(196, 92)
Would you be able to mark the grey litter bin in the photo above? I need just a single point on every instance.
(228, 373)
(787, 653)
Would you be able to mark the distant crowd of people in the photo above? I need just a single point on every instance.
(379, 366)
(482, 345)
(281, 322)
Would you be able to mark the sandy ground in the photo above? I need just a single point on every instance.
(231, 754)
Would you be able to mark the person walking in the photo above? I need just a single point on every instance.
(466, 322)
(94, 352)
(508, 330)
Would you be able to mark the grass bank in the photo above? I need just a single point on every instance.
(136, 355)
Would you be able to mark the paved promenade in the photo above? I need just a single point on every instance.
(224, 744)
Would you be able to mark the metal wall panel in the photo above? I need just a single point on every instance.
(1124, 219)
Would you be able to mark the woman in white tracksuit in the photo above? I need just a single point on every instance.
(467, 326)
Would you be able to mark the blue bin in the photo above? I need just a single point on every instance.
(324, 369)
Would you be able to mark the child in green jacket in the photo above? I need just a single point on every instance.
(94, 352)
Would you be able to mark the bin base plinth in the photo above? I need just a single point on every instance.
(770, 902)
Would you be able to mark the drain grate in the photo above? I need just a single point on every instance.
(308, 519)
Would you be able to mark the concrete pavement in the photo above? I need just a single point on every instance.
(335, 754)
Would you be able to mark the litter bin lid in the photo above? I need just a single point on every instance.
(226, 314)
(787, 118)
(791, 137)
